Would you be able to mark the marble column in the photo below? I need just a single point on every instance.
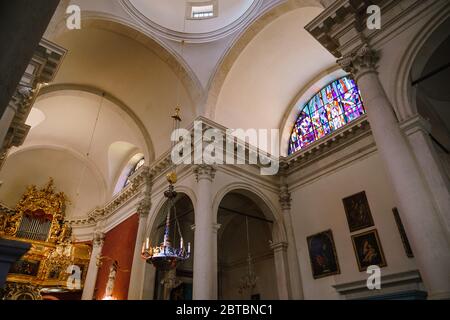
(205, 237)
(22, 24)
(293, 263)
(282, 270)
(137, 275)
(5, 121)
(91, 277)
(418, 131)
(422, 222)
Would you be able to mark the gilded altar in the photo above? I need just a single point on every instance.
(54, 264)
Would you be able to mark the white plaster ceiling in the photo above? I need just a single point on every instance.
(171, 15)
(69, 144)
(272, 70)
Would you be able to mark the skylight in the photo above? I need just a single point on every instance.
(202, 10)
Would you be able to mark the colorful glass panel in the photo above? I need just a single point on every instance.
(330, 109)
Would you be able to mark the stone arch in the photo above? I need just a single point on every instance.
(173, 59)
(404, 93)
(268, 208)
(237, 47)
(149, 153)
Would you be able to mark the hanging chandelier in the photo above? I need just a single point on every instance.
(166, 256)
(249, 280)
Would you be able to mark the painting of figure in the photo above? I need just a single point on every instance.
(322, 252)
(368, 250)
(358, 212)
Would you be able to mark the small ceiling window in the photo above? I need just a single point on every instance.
(201, 10)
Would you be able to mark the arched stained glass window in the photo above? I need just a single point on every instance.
(330, 109)
(136, 167)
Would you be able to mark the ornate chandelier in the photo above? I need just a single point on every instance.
(166, 256)
(249, 280)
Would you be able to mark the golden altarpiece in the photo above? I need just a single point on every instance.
(54, 264)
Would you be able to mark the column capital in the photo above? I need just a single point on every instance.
(99, 239)
(279, 246)
(414, 124)
(361, 61)
(203, 171)
(285, 198)
(144, 207)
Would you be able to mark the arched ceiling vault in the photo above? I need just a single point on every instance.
(235, 50)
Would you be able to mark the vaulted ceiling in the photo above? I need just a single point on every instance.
(119, 83)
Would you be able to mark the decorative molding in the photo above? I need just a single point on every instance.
(279, 246)
(98, 239)
(203, 172)
(358, 63)
(285, 197)
(255, 10)
(40, 71)
(389, 283)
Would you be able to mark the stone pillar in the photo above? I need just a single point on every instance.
(418, 131)
(138, 267)
(422, 222)
(293, 263)
(205, 239)
(5, 122)
(10, 252)
(282, 269)
(91, 277)
(22, 24)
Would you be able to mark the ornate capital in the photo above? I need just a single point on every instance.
(203, 171)
(99, 239)
(285, 198)
(362, 61)
(144, 207)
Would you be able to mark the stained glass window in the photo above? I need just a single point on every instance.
(136, 167)
(330, 109)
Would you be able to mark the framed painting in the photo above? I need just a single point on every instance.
(403, 235)
(358, 212)
(322, 253)
(368, 250)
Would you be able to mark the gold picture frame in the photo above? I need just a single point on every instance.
(368, 250)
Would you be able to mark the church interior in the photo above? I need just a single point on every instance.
(97, 99)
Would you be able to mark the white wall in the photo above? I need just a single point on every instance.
(318, 206)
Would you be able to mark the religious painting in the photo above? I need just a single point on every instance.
(322, 253)
(358, 212)
(368, 250)
(25, 267)
(403, 235)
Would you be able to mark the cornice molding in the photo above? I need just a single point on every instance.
(253, 13)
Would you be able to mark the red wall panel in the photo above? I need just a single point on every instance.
(119, 245)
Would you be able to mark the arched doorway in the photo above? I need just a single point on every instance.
(176, 285)
(246, 265)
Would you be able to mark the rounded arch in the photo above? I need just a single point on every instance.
(125, 169)
(404, 94)
(123, 27)
(183, 190)
(237, 47)
(269, 210)
(54, 88)
(80, 157)
(302, 97)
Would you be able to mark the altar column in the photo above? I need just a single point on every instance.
(294, 267)
(205, 237)
(91, 277)
(282, 270)
(424, 226)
